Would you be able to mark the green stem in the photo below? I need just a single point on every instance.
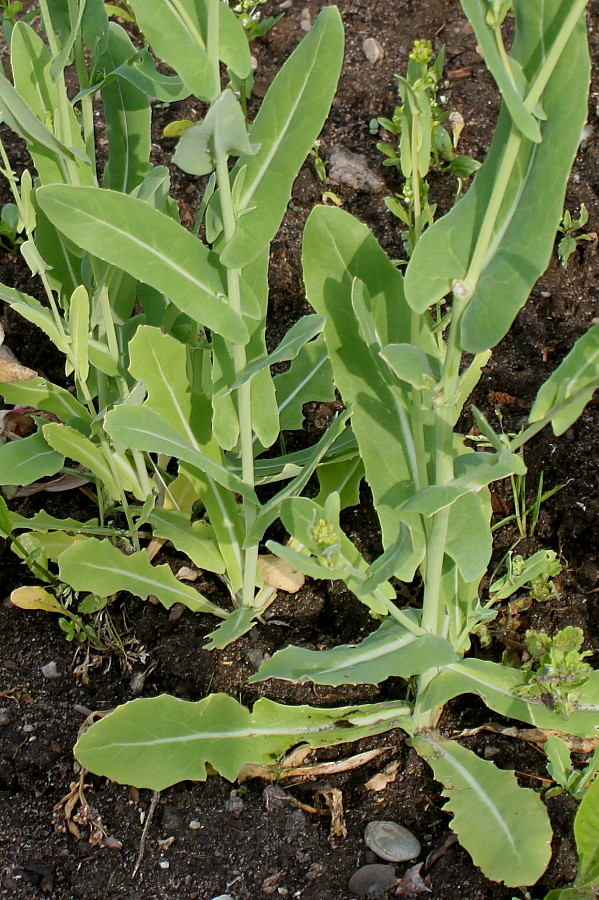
(243, 394)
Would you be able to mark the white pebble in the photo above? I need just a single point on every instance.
(194, 825)
(305, 19)
(50, 670)
(164, 864)
(373, 51)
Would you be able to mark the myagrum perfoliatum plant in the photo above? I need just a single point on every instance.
(186, 377)
(404, 378)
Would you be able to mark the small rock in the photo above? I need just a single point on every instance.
(164, 864)
(372, 882)
(373, 51)
(171, 820)
(391, 841)
(305, 19)
(295, 823)
(255, 657)
(352, 169)
(27, 729)
(234, 805)
(286, 4)
(50, 670)
(194, 825)
(5, 716)
(223, 897)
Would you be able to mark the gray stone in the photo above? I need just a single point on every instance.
(391, 841)
(372, 882)
(352, 169)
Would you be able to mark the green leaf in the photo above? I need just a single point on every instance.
(223, 132)
(28, 460)
(297, 337)
(79, 328)
(177, 30)
(196, 539)
(238, 623)
(479, 470)
(586, 832)
(495, 683)
(160, 362)
(563, 396)
(140, 71)
(411, 364)
(379, 421)
(127, 116)
(532, 196)
(32, 310)
(288, 122)
(469, 539)
(505, 828)
(309, 377)
(140, 428)
(156, 742)
(70, 442)
(42, 394)
(129, 234)
(524, 120)
(391, 650)
(99, 567)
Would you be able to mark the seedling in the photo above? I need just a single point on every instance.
(321, 173)
(424, 142)
(559, 765)
(9, 228)
(556, 671)
(571, 228)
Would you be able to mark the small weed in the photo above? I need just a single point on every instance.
(559, 765)
(555, 671)
(570, 229)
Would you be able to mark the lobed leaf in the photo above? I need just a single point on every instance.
(156, 742)
(28, 459)
(391, 650)
(505, 828)
(99, 567)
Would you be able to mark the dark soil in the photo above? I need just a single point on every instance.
(253, 840)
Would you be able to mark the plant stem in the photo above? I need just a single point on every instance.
(244, 410)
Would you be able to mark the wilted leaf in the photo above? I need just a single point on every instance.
(280, 574)
(35, 598)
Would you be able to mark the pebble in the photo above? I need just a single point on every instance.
(305, 19)
(372, 882)
(223, 897)
(27, 729)
(286, 4)
(164, 864)
(5, 716)
(50, 670)
(171, 820)
(373, 51)
(352, 169)
(194, 825)
(391, 841)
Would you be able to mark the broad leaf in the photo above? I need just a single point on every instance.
(156, 742)
(42, 394)
(379, 421)
(196, 539)
(505, 828)
(148, 244)
(127, 116)
(288, 122)
(140, 428)
(309, 377)
(99, 567)
(531, 198)
(563, 396)
(391, 650)
(495, 683)
(586, 832)
(29, 459)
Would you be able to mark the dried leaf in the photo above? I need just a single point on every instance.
(187, 574)
(35, 598)
(62, 483)
(334, 801)
(291, 768)
(13, 371)
(280, 574)
(380, 781)
(412, 883)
